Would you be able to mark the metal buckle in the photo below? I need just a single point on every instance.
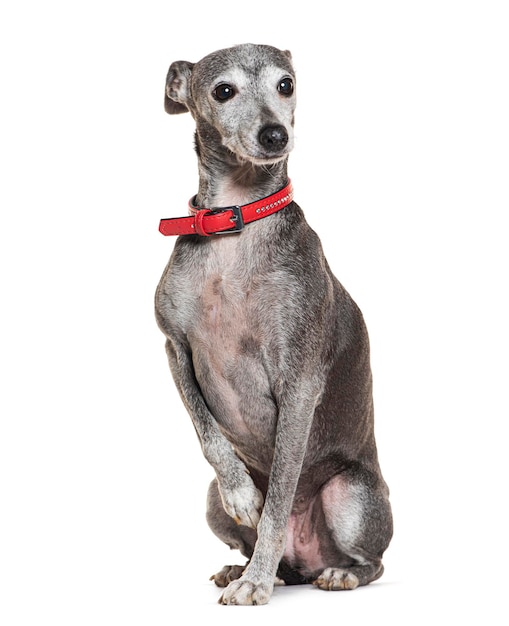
(237, 219)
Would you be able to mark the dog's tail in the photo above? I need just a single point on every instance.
(290, 576)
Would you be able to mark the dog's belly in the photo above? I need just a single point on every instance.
(310, 545)
(303, 550)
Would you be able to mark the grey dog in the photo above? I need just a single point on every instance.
(268, 351)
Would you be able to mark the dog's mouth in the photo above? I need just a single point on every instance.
(263, 150)
(242, 157)
(260, 160)
(270, 145)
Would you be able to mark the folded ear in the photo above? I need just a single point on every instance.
(177, 95)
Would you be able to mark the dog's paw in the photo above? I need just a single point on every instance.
(246, 592)
(243, 502)
(332, 579)
(228, 574)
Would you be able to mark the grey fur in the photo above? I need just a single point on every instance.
(269, 352)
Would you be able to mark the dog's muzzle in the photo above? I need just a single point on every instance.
(273, 138)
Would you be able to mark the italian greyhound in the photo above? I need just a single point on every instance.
(268, 351)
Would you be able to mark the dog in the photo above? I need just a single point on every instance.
(268, 351)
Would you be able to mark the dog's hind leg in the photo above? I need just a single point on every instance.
(358, 515)
(236, 536)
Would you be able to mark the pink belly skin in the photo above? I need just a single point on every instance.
(302, 549)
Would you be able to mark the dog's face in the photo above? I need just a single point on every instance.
(247, 93)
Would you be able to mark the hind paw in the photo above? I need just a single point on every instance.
(332, 579)
(229, 572)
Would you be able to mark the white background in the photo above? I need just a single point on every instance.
(401, 165)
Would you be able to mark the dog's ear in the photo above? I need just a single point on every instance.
(177, 94)
(288, 54)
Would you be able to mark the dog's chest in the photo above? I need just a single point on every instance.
(228, 335)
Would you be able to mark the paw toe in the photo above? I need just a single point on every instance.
(245, 592)
(229, 573)
(333, 579)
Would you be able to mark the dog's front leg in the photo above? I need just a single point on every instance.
(241, 499)
(294, 421)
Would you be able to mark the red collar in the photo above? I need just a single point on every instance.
(219, 221)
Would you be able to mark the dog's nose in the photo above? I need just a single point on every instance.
(273, 138)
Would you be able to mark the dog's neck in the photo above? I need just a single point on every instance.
(225, 180)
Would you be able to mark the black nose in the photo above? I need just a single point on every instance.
(273, 138)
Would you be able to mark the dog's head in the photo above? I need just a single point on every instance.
(247, 93)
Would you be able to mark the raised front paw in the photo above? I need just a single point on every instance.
(243, 501)
(246, 592)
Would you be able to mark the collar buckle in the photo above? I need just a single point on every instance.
(237, 219)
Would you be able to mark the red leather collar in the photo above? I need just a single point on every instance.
(225, 220)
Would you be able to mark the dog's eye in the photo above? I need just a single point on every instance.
(224, 92)
(285, 87)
